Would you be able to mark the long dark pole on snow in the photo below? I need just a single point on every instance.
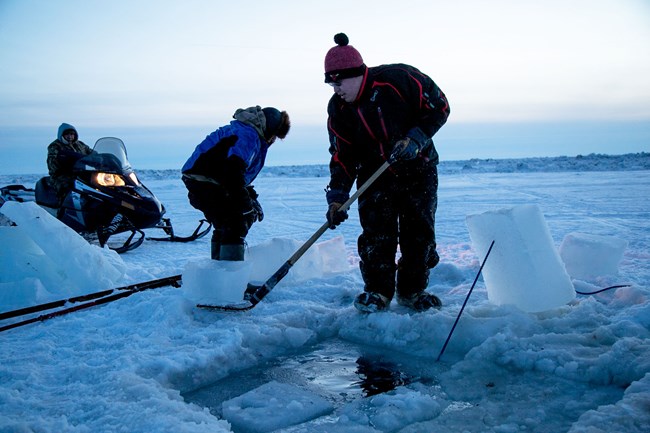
(102, 297)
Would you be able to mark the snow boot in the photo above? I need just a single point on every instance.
(370, 302)
(215, 245)
(215, 250)
(232, 252)
(421, 301)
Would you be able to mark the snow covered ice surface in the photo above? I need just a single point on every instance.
(582, 367)
(32, 250)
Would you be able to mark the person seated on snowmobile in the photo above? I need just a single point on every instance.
(219, 173)
(62, 153)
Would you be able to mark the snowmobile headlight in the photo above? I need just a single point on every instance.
(134, 178)
(109, 179)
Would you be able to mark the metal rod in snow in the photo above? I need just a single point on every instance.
(465, 303)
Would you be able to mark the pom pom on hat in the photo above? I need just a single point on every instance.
(341, 39)
(343, 60)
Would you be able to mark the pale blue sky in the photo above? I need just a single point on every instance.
(108, 65)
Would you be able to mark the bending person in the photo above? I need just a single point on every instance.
(220, 172)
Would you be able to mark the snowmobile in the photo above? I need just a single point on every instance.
(107, 199)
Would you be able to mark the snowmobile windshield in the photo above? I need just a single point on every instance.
(109, 155)
(113, 146)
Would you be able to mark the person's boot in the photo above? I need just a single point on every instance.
(232, 252)
(215, 250)
(215, 245)
(411, 283)
(370, 302)
(421, 301)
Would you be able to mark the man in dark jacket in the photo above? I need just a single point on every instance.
(377, 114)
(62, 153)
(219, 174)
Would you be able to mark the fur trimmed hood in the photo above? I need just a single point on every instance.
(252, 116)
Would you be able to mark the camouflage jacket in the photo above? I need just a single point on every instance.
(61, 157)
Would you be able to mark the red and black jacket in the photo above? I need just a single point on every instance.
(395, 101)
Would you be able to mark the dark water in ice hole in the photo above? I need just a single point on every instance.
(337, 370)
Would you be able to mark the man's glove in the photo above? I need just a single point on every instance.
(252, 210)
(335, 216)
(405, 149)
(257, 207)
(67, 158)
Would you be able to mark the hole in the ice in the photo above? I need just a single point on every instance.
(335, 370)
(377, 376)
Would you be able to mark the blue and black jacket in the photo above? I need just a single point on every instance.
(231, 156)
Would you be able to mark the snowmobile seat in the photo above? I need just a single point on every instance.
(45, 194)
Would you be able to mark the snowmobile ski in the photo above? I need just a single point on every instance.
(166, 226)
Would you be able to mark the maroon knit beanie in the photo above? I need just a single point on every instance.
(343, 60)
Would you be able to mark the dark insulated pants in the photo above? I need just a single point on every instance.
(62, 185)
(399, 210)
(229, 225)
